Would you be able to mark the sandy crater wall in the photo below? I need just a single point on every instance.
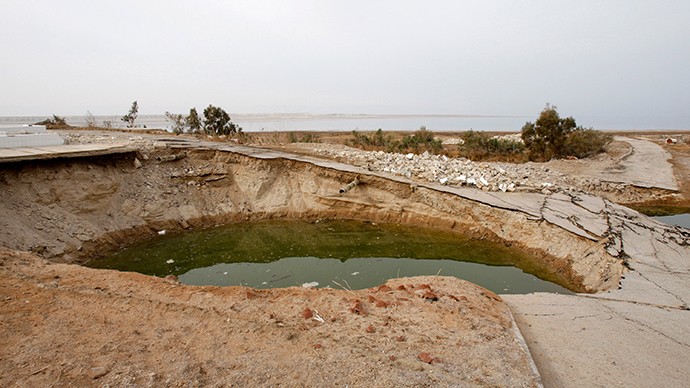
(73, 210)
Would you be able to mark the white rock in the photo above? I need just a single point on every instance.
(409, 156)
(161, 232)
(483, 181)
(443, 180)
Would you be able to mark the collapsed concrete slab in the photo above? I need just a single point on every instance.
(19, 136)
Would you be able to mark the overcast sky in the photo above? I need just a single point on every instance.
(400, 57)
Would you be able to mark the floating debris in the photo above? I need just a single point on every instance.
(310, 284)
(170, 261)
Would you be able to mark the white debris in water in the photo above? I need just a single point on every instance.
(310, 284)
(264, 282)
(354, 273)
(161, 232)
(170, 261)
(225, 273)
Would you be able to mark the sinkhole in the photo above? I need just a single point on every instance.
(331, 253)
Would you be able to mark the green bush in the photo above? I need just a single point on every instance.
(551, 137)
(217, 122)
(376, 140)
(481, 146)
(422, 140)
(303, 137)
(583, 143)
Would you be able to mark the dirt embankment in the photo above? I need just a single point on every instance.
(84, 208)
(64, 325)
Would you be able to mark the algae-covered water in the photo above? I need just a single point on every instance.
(338, 254)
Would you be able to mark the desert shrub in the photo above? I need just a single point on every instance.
(56, 122)
(420, 141)
(583, 143)
(303, 137)
(376, 140)
(481, 146)
(550, 137)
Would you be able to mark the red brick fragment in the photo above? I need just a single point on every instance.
(430, 295)
(307, 313)
(358, 308)
(426, 357)
(384, 288)
(371, 329)
(381, 303)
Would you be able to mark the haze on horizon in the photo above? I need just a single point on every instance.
(590, 58)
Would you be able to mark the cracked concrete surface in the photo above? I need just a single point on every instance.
(642, 166)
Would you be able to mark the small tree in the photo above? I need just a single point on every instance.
(546, 138)
(178, 122)
(217, 122)
(90, 120)
(132, 115)
(553, 137)
(193, 122)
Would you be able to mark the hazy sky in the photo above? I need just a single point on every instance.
(465, 57)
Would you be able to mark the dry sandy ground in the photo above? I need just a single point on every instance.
(65, 325)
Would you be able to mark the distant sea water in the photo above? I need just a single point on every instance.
(371, 122)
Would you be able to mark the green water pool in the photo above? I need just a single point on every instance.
(338, 254)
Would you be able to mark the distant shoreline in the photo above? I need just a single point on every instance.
(347, 122)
